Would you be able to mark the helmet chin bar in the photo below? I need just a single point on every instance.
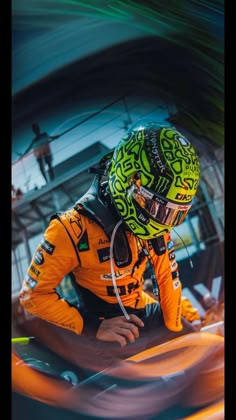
(150, 230)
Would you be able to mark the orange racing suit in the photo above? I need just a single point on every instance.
(74, 243)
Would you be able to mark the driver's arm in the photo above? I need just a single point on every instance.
(169, 285)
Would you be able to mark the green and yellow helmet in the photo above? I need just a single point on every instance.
(153, 177)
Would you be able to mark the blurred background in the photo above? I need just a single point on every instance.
(86, 71)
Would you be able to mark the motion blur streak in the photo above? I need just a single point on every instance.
(195, 29)
(33, 384)
(187, 371)
(213, 412)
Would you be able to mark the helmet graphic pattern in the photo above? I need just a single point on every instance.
(164, 160)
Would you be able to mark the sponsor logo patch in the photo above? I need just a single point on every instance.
(175, 274)
(30, 281)
(170, 245)
(118, 274)
(143, 218)
(184, 197)
(103, 254)
(83, 244)
(47, 246)
(172, 255)
(34, 270)
(176, 284)
(103, 241)
(173, 265)
(38, 257)
(156, 153)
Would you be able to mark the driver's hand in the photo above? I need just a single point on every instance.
(191, 326)
(120, 329)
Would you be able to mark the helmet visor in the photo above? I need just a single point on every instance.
(158, 208)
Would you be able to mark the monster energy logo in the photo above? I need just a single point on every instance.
(155, 152)
(162, 184)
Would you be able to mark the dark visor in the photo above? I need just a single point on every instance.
(159, 209)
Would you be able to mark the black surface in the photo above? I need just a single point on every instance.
(24, 408)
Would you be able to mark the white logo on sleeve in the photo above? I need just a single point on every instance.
(176, 284)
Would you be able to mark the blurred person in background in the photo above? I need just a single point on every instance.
(214, 310)
(42, 151)
(16, 193)
(105, 240)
